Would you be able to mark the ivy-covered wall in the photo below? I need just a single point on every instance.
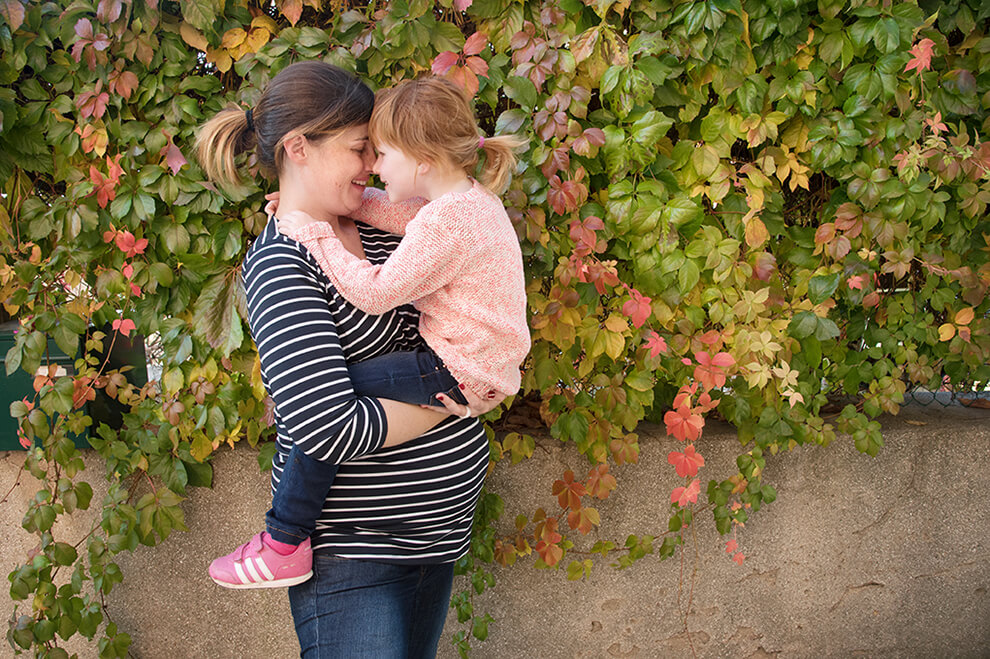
(731, 207)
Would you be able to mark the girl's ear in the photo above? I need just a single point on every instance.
(423, 168)
(295, 148)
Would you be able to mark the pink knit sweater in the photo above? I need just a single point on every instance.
(459, 263)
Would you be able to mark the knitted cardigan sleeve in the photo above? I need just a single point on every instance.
(380, 213)
(429, 257)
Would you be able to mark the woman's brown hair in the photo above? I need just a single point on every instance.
(431, 120)
(312, 98)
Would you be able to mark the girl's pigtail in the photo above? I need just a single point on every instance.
(229, 133)
(500, 161)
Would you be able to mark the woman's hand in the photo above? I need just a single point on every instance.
(476, 405)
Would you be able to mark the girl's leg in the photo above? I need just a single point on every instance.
(414, 376)
(299, 497)
(363, 609)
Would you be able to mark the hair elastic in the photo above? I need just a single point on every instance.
(249, 113)
(481, 141)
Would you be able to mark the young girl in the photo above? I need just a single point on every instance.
(460, 265)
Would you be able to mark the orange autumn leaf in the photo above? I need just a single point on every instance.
(568, 491)
(686, 463)
(683, 423)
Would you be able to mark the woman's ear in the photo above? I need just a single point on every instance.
(295, 146)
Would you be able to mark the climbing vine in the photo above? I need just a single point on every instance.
(746, 208)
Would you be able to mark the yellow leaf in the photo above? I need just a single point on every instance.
(221, 58)
(266, 22)
(616, 323)
(257, 38)
(173, 380)
(614, 344)
(233, 37)
(946, 332)
(200, 448)
(756, 232)
(193, 37)
(965, 316)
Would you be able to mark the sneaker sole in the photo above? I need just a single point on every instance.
(275, 583)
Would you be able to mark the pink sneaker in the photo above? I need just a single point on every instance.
(255, 565)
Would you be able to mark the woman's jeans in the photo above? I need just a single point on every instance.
(353, 609)
(411, 377)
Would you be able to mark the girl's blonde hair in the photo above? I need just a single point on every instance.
(431, 120)
(311, 98)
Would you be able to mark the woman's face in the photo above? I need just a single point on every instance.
(340, 168)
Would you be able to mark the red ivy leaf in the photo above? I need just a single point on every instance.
(123, 83)
(475, 43)
(292, 10)
(13, 12)
(583, 520)
(551, 553)
(684, 424)
(478, 66)
(656, 344)
(600, 483)
(686, 463)
(922, 60)
(682, 496)
(124, 325)
(174, 158)
(637, 308)
(462, 5)
(731, 546)
(443, 62)
(568, 491)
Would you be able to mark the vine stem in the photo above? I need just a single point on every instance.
(17, 481)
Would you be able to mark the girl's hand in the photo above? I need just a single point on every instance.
(476, 405)
(293, 221)
(271, 208)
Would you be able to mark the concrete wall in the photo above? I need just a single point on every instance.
(881, 557)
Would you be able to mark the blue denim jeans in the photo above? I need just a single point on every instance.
(354, 609)
(411, 377)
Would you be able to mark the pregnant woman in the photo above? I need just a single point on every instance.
(399, 511)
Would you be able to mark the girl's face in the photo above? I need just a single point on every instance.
(398, 172)
(340, 169)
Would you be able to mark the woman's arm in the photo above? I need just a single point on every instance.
(304, 368)
(428, 258)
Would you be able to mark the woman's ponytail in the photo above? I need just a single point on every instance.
(220, 140)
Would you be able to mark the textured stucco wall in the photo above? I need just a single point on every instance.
(881, 557)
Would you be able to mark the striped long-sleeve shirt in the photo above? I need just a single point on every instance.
(413, 502)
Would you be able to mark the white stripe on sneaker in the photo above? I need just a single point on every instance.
(248, 563)
(261, 565)
(240, 573)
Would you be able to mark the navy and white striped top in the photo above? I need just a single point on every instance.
(408, 503)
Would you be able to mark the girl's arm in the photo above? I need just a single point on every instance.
(428, 258)
(376, 210)
(380, 213)
(304, 368)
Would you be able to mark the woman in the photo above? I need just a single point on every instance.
(400, 509)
